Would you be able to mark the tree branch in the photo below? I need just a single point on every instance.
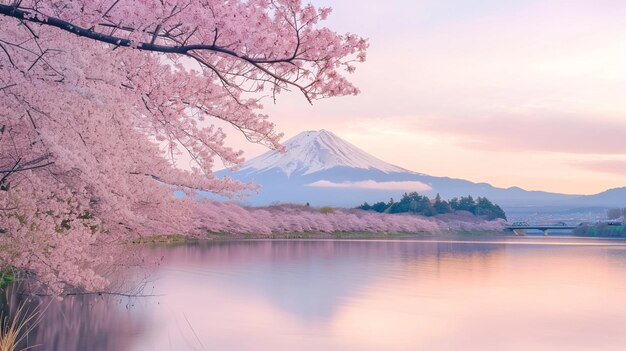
(181, 49)
(119, 41)
(20, 169)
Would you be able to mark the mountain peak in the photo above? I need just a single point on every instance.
(316, 150)
(312, 134)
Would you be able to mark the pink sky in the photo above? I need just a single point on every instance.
(526, 93)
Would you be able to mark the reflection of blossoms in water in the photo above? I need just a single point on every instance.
(307, 280)
(429, 294)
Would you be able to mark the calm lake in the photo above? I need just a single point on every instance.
(531, 293)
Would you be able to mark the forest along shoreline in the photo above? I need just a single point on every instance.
(412, 216)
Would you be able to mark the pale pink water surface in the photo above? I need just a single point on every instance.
(487, 294)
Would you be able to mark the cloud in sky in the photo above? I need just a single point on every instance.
(541, 132)
(604, 166)
(374, 185)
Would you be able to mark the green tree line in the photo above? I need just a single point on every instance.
(422, 205)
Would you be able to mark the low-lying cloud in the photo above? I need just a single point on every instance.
(372, 184)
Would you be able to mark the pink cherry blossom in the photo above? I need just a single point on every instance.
(99, 100)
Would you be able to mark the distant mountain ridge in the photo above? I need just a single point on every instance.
(615, 197)
(320, 168)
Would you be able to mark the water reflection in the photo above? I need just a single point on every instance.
(311, 279)
(87, 322)
(362, 295)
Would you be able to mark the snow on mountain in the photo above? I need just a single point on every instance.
(313, 151)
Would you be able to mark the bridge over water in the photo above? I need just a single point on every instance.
(545, 228)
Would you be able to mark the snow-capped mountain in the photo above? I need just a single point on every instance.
(313, 151)
(320, 168)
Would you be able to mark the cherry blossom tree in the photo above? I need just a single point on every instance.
(228, 217)
(99, 100)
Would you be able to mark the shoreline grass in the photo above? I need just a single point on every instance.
(14, 329)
